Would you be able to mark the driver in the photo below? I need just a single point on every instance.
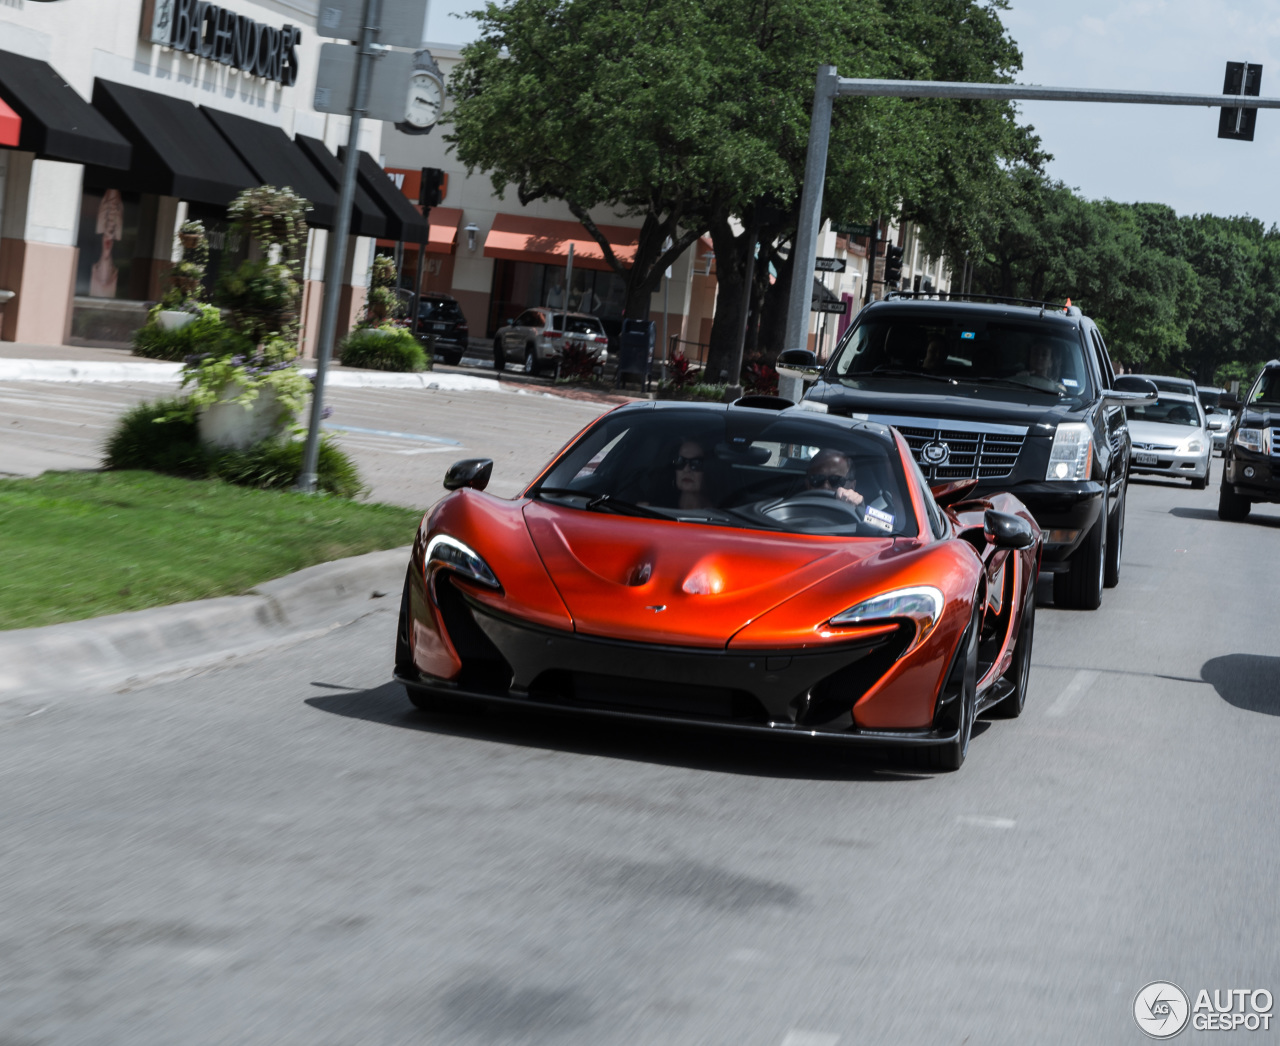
(831, 470)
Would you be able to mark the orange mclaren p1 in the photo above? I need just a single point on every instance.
(748, 567)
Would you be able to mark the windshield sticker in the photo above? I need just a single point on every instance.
(1071, 383)
(968, 335)
(881, 519)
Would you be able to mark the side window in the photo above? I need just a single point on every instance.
(937, 522)
(527, 319)
(1104, 359)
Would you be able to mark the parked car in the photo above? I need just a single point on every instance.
(1171, 437)
(1167, 383)
(1251, 461)
(757, 571)
(537, 337)
(1022, 398)
(440, 320)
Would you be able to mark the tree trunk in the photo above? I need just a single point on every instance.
(731, 258)
(773, 309)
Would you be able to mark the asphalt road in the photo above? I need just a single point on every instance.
(280, 850)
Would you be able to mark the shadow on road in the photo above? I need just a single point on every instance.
(690, 748)
(1248, 681)
(1187, 512)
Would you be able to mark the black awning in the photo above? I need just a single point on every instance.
(276, 160)
(57, 124)
(176, 150)
(366, 216)
(403, 220)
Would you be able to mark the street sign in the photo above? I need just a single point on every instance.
(828, 264)
(402, 23)
(1242, 79)
(389, 82)
(838, 307)
(852, 229)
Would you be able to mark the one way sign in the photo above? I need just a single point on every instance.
(828, 264)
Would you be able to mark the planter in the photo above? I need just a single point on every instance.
(174, 319)
(235, 426)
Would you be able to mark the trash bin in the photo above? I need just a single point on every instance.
(635, 355)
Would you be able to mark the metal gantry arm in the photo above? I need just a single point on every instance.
(830, 86)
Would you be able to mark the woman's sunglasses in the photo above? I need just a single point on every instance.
(692, 464)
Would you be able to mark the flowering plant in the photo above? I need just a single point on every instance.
(242, 377)
(680, 372)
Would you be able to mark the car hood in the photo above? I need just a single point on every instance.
(684, 584)
(923, 399)
(1161, 433)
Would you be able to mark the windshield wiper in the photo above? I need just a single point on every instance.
(608, 503)
(902, 372)
(1017, 384)
(562, 491)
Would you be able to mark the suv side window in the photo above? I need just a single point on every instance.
(1104, 359)
(528, 318)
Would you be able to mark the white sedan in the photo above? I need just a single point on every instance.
(1171, 437)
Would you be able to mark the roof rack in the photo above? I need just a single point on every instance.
(1000, 299)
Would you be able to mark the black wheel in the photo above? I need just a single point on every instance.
(1011, 707)
(404, 650)
(1080, 587)
(1200, 482)
(1232, 507)
(963, 681)
(1115, 540)
(531, 366)
(451, 356)
(499, 356)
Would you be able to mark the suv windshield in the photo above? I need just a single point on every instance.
(1267, 390)
(1046, 360)
(758, 470)
(1168, 410)
(438, 310)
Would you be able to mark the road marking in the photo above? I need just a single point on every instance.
(983, 821)
(810, 1038)
(1078, 684)
(394, 435)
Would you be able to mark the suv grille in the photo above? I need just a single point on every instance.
(973, 454)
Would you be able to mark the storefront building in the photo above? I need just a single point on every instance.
(137, 115)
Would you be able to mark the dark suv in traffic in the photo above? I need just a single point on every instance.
(1013, 397)
(1251, 457)
(441, 326)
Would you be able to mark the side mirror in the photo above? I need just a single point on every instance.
(1131, 391)
(799, 358)
(511, 321)
(469, 472)
(1006, 531)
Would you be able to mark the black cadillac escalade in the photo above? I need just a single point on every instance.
(1251, 458)
(1021, 397)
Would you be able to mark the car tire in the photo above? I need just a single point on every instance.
(1011, 707)
(1200, 482)
(1232, 507)
(1080, 587)
(1115, 540)
(531, 366)
(964, 674)
(499, 356)
(451, 358)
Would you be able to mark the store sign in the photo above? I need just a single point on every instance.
(212, 32)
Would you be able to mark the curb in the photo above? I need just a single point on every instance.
(107, 652)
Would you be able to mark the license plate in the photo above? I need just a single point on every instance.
(439, 326)
(1145, 459)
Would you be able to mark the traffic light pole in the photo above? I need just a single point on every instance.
(336, 254)
(830, 86)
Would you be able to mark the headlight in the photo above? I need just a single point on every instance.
(1191, 445)
(444, 551)
(923, 605)
(1257, 440)
(1071, 457)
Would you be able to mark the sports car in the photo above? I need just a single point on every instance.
(756, 567)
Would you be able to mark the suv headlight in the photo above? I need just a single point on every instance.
(922, 604)
(1191, 445)
(1256, 440)
(1071, 457)
(444, 551)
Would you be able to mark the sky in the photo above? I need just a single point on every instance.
(1165, 154)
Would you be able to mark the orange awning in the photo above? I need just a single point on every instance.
(518, 237)
(10, 125)
(444, 231)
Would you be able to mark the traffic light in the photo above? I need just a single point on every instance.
(434, 184)
(892, 264)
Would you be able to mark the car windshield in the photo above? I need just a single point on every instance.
(1168, 410)
(578, 324)
(1268, 388)
(1182, 386)
(751, 469)
(437, 310)
(1042, 359)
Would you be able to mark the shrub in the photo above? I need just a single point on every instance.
(577, 362)
(760, 378)
(681, 372)
(665, 390)
(161, 437)
(262, 299)
(382, 348)
(206, 334)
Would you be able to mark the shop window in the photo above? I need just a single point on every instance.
(111, 261)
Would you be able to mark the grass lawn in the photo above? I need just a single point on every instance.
(82, 544)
